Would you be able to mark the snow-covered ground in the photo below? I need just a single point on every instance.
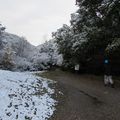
(24, 96)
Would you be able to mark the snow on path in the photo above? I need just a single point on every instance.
(24, 96)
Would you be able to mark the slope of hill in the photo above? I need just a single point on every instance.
(18, 54)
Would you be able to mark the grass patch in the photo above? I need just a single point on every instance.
(53, 74)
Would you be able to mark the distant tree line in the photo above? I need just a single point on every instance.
(94, 34)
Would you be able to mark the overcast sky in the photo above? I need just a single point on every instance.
(35, 19)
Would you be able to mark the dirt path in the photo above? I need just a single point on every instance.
(85, 97)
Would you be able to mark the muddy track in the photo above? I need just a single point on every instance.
(85, 97)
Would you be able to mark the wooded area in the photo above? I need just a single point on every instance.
(94, 34)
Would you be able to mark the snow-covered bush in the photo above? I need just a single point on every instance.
(47, 56)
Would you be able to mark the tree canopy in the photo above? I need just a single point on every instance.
(94, 31)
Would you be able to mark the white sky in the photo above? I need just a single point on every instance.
(35, 19)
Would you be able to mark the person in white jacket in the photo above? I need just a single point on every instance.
(77, 67)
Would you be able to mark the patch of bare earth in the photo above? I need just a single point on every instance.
(85, 97)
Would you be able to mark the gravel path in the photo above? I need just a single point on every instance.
(85, 97)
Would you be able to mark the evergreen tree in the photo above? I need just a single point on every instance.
(94, 29)
(2, 29)
(64, 38)
(100, 20)
(103, 18)
(7, 61)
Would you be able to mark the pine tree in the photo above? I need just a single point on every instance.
(2, 29)
(7, 61)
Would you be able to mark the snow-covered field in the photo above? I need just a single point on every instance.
(24, 96)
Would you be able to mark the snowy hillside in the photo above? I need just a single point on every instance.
(21, 55)
(25, 96)
(47, 55)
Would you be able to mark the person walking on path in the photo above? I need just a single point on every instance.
(108, 73)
